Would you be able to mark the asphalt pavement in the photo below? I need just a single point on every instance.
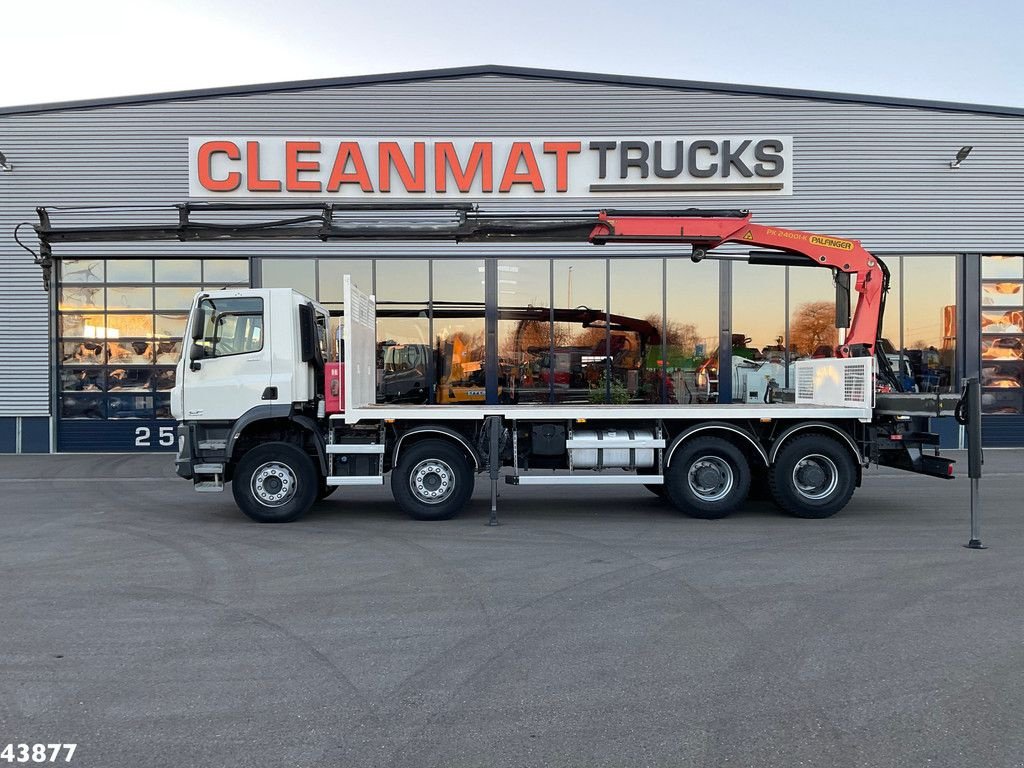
(154, 626)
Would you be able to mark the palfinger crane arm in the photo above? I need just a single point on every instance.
(708, 232)
(703, 229)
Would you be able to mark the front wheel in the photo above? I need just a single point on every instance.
(813, 476)
(275, 483)
(708, 478)
(433, 480)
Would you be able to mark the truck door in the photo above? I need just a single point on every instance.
(228, 367)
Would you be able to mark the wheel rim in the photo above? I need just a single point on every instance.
(432, 481)
(815, 477)
(273, 484)
(710, 478)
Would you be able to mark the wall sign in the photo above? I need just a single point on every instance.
(488, 167)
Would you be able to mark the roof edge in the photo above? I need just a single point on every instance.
(511, 71)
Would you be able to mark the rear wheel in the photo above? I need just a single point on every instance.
(813, 476)
(433, 480)
(708, 478)
(275, 483)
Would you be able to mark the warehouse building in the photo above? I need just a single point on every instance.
(933, 188)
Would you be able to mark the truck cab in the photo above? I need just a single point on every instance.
(255, 362)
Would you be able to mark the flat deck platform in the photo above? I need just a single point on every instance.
(639, 412)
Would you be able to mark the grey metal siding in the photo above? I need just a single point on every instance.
(877, 173)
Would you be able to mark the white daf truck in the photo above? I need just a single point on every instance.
(267, 403)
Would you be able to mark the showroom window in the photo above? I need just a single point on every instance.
(120, 325)
(1002, 334)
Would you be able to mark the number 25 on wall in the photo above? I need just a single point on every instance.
(143, 437)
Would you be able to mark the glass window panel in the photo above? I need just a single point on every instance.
(404, 352)
(636, 303)
(692, 335)
(129, 326)
(1001, 401)
(83, 326)
(758, 315)
(82, 407)
(458, 326)
(129, 352)
(1002, 348)
(170, 326)
(1002, 294)
(130, 380)
(1010, 321)
(129, 298)
(758, 309)
(332, 272)
(163, 379)
(129, 270)
(524, 330)
(226, 271)
(812, 313)
(175, 298)
(929, 321)
(1011, 267)
(168, 352)
(404, 357)
(407, 280)
(299, 274)
(82, 353)
(81, 379)
(81, 271)
(581, 354)
(178, 271)
(81, 298)
(163, 406)
(891, 318)
(130, 407)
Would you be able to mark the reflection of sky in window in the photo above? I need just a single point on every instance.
(929, 285)
(454, 280)
(759, 302)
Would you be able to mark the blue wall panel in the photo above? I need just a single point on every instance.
(8, 435)
(35, 434)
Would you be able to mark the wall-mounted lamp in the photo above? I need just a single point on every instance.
(4, 165)
(961, 156)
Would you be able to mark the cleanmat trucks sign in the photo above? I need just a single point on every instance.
(487, 167)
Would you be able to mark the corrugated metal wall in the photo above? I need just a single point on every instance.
(877, 173)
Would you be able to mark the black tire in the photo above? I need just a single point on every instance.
(325, 490)
(708, 478)
(813, 476)
(432, 467)
(275, 469)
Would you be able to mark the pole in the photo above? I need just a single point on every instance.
(493, 464)
(974, 459)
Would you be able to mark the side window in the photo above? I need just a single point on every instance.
(232, 326)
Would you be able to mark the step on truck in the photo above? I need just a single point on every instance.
(268, 402)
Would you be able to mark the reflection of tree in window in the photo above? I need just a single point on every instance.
(812, 329)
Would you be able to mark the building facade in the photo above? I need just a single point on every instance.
(88, 365)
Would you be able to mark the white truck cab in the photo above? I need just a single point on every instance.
(245, 351)
(253, 368)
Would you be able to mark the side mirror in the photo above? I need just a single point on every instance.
(196, 323)
(196, 353)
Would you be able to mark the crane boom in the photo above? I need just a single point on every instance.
(703, 229)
